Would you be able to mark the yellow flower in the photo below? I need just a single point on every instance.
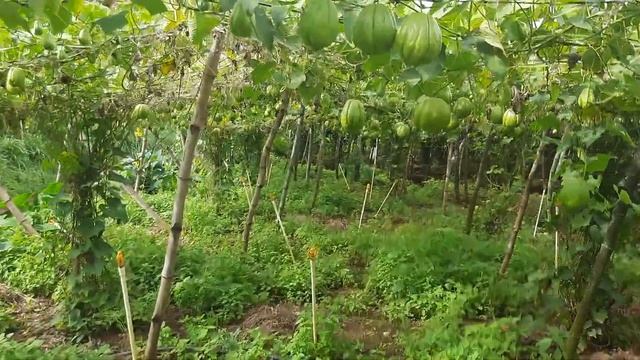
(120, 258)
(312, 253)
(139, 132)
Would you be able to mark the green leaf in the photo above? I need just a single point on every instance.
(75, 6)
(264, 27)
(279, 14)
(226, 5)
(5, 246)
(375, 62)
(10, 15)
(297, 77)
(549, 121)
(262, 72)
(153, 6)
(112, 23)
(349, 18)
(204, 25)
(598, 163)
(623, 195)
(497, 66)
(59, 19)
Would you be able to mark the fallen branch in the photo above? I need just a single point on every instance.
(13, 209)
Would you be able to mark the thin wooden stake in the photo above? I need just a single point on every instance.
(269, 173)
(344, 176)
(373, 172)
(246, 191)
(535, 227)
(127, 306)
(284, 232)
(364, 204)
(385, 198)
(312, 254)
(556, 252)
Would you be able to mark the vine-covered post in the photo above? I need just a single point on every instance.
(262, 171)
(602, 258)
(522, 207)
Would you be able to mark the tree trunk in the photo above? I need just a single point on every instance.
(198, 123)
(602, 261)
(140, 171)
(262, 171)
(476, 191)
(446, 177)
(13, 209)
(292, 163)
(309, 148)
(320, 164)
(524, 200)
(148, 209)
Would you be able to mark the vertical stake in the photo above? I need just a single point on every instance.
(127, 306)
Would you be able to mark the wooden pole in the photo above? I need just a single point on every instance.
(385, 198)
(127, 306)
(13, 209)
(312, 254)
(364, 204)
(535, 227)
(284, 232)
(344, 176)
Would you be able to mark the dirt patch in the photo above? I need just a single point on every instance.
(619, 355)
(35, 317)
(277, 319)
(336, 224)
(374, 332)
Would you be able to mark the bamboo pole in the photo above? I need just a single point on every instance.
(446, 178)
(198, 123)
(17, 214)
(127, 305)
(284, 232)
(385, 198)
(364, 204)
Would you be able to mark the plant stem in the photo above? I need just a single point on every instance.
(447, 174)
(140, 169)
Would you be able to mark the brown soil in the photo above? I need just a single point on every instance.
(277, 319)
(619, 355)
(35, 317)
(374, 332)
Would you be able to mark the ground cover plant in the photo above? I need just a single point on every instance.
(319, 179)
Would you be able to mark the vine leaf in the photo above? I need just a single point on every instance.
(153, 6)
(112, 23)
(10, 15)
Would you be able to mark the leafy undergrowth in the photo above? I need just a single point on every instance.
(408, 284)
